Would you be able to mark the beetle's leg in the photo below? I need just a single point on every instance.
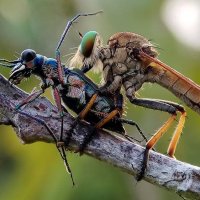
(81, 116)
(57, 99)
(165, 106)
(122, 120)
(60, 68)
(119, 102)
(29, 99)
(131, 122)
(34, 95)
(60, 150)
(69, 24)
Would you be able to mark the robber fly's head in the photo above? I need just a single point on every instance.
(88, 51)
(23, 66)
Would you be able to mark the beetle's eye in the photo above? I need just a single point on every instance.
(87, 43)
(28, 55)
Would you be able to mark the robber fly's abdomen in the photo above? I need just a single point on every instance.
(179, 85)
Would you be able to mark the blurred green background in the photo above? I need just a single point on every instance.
(35, 171)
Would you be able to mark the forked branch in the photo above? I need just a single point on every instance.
(163, 171)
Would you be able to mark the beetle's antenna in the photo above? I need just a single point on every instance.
(7, 65)
(8, 61)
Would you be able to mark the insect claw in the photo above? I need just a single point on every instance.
(60, 144)
(17, 107)
(33, 90)
(144, 165)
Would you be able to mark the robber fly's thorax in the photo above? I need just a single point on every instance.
(120, 62)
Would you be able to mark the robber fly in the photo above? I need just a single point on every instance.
(129, 60)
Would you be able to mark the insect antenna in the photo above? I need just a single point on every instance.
(157, 47)
(7, 65)
(154, 45)
(8, 61)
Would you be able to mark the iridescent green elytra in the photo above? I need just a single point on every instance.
(87, 43)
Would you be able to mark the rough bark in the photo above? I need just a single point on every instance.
(162, 171)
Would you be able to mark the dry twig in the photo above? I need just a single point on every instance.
(162, 171)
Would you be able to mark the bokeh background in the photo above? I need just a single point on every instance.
(35, 171)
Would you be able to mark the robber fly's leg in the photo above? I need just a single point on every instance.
(165, 106)
(170, 107)
(60, 150)
(174, 141)
(81, 116)
(84, 112)
(118, 103)
(92, 132)
(118, 98)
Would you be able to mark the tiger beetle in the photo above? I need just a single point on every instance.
(74, 89)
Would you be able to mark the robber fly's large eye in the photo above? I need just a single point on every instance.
(87, 43)
(28, 55)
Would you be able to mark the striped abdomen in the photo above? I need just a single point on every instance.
(181, 86)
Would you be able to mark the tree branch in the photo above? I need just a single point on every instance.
(163, 171)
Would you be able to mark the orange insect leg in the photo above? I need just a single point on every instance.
(107, 118)
(174, 141)
(154, 139)
(84, 112)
